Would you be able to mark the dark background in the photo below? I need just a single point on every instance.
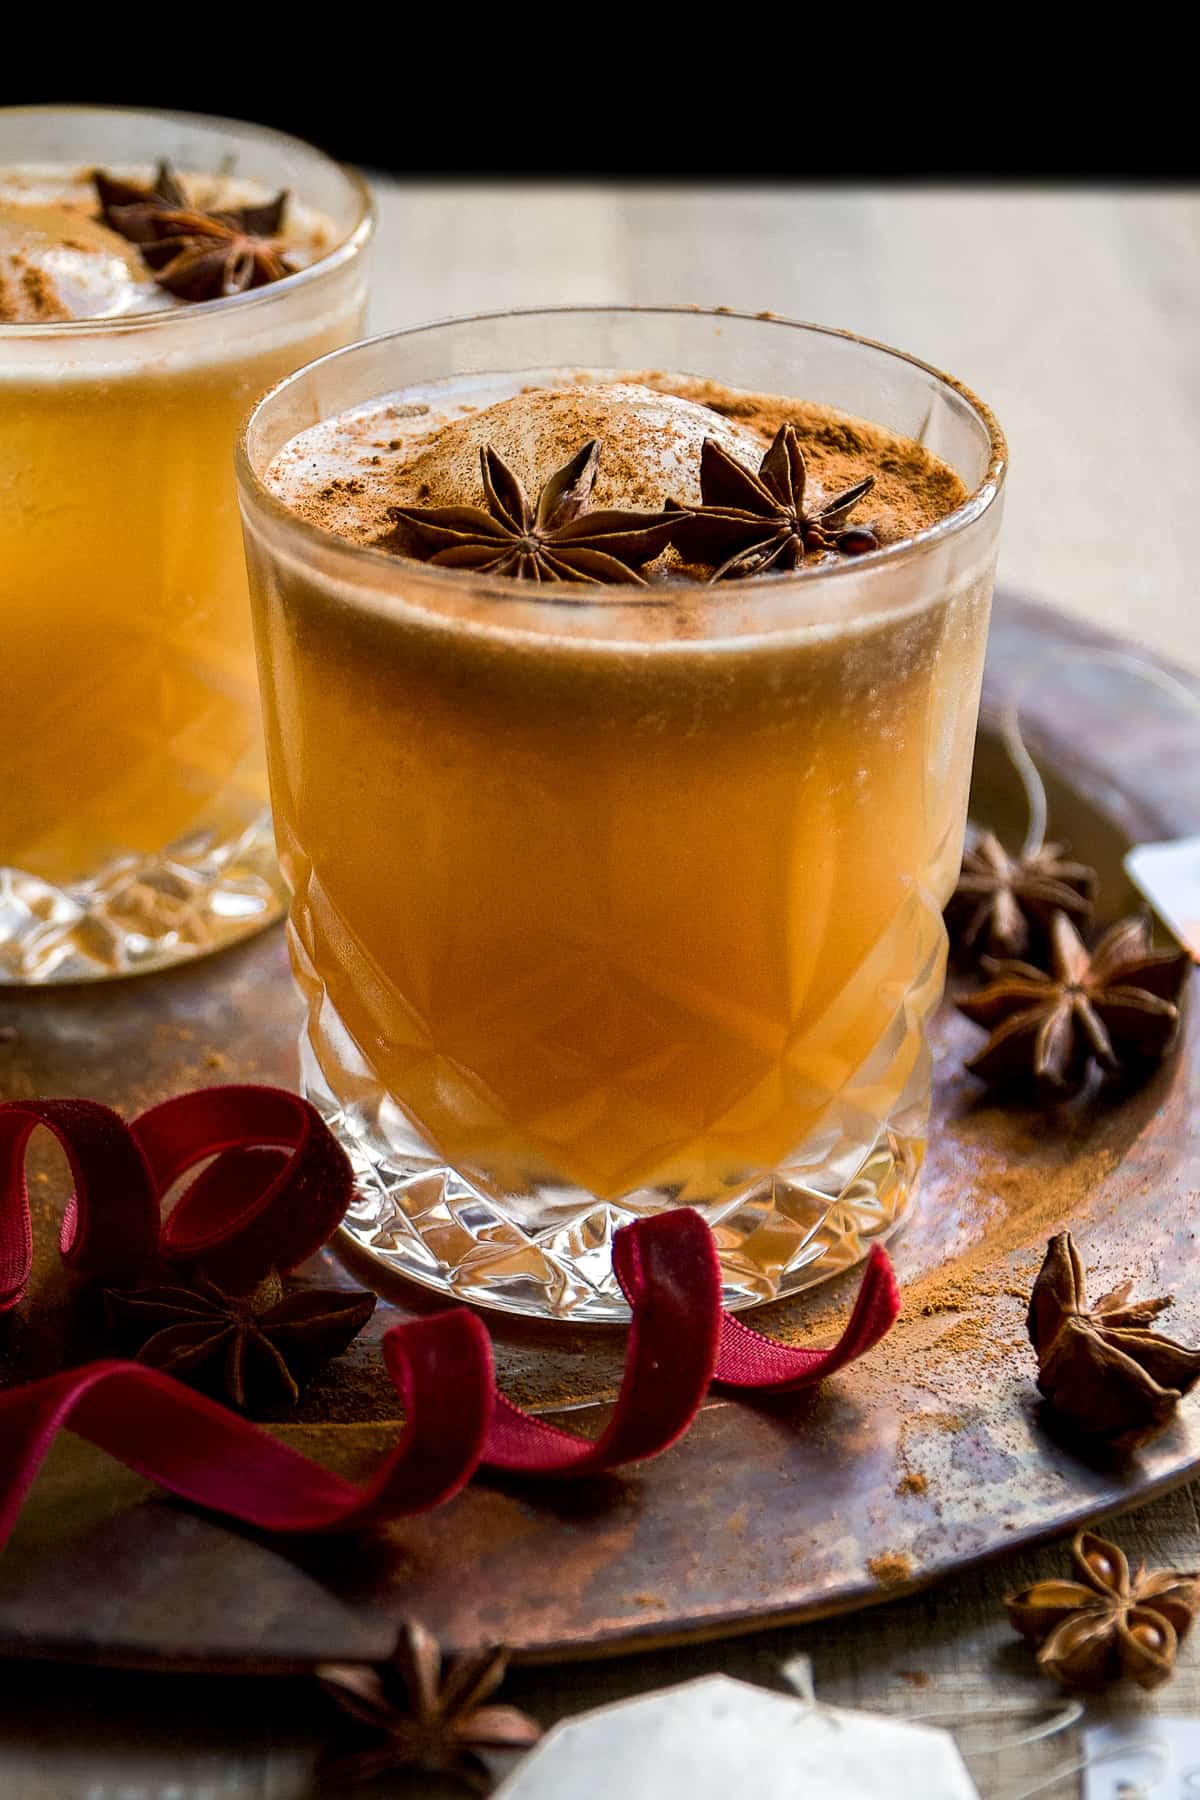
(744, 95)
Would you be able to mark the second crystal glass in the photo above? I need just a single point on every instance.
(133, 821)
(597, 914)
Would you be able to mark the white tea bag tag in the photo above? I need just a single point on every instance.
(714, 1738)
(1169, 876)
(1142, 1757)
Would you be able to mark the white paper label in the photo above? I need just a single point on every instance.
(717, 1739)
(1169, 876)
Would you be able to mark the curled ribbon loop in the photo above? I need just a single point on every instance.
(110, 1227)
(274, 1160)
(278, 1190)
(747, 1359)
(668, 1270)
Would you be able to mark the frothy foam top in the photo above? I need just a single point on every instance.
(421, 448)
(59, 262)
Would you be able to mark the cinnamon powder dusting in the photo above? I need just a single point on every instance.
(891, 1568)
(28, 295)
(352, 475)
(912, 1483)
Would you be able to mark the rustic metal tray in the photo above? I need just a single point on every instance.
(929, 1455)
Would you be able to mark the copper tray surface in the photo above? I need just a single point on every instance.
(929, 1455)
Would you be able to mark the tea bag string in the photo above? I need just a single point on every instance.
(1010, 721)
(1051, 1722)
(1041, 1722)
(1155, 1750)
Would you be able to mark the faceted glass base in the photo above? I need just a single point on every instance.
(140, 913)
(548, 1252)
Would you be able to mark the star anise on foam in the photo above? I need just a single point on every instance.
(751, 523)
(193, 254)
(1001, 901)
(557, 539)
(1101, 1367)
(118, 198)
(1110, 1624)
(257, 1347)
(425, 1717)
(1117, 1007)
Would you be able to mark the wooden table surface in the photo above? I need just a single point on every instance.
(1074, 315)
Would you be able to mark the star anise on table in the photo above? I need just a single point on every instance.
(1117, 1007)
(1102, 1368)
(556, 539)
(1110, 1624)
(424, 1716)
(257, 1348)
(1002, 900)
(195, 255)
(750, 523)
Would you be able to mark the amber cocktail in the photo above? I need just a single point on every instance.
(609, 898)
(133, 822)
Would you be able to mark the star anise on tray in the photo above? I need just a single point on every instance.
(556, 539)
(1002, 900)
(257, 1348)
(1102, 1368)
(195, 255)
(1110, 1624)
(750, 523)
(424, 1716)
(1117, 1007)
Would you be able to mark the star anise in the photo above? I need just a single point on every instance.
(195, 255)
(1110, 1624)
(1117, 1007)
(258, 1347)
(556, 540)
(118, 198)
(425, 1718)
(750, 523)
(1102, 1367)
(1002, 900)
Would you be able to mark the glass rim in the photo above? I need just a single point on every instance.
(156, 318)
(456, 581)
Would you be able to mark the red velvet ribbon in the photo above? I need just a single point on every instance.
(278, 1188)
(277, 1191)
